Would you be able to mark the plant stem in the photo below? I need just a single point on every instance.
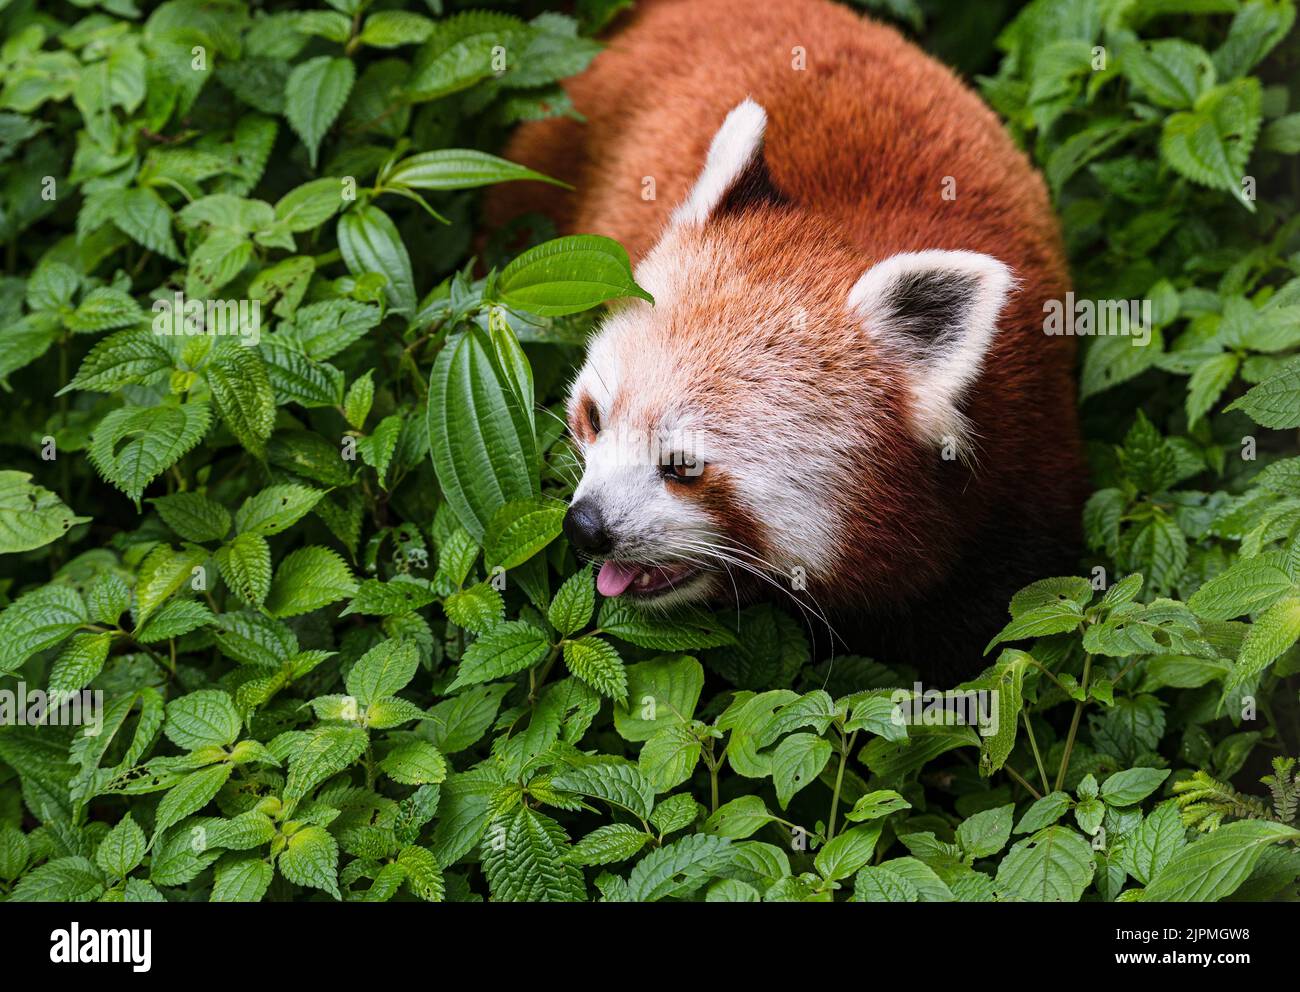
(846, 746)
(1074, 723)
(1033, 743)
(713, 787)
(534, 686)
(1022, 780)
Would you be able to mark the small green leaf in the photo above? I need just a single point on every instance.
(568, 275)
(314, 94)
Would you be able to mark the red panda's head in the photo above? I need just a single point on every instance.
(776, 415)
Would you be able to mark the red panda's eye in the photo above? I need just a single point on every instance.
(593, 418)
(680, 470)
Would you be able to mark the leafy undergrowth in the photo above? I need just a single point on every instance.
(317, 576)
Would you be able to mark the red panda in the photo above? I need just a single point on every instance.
(843, 389)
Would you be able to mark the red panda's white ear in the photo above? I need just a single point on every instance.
(734, 175)
(939, 310)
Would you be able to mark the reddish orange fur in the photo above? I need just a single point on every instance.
(862, 142)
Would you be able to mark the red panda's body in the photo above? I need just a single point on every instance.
(872, 150)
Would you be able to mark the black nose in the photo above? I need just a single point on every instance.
(585, 528)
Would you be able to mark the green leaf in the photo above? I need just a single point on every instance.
(986, 833)
(608, 844)
(459, 168)
(382, 671)
(423, 873)
(571, 609)
(386, 599)
(322, 330)
(1054, 865)
(190, 795)
(314, 94)
(675, 813)
(308, 579)
(107, 597)
(660, 693)
(133, 445)
(80, 661)
(595, 661)
(568, 275)
(70, 879)
(1272, 633)
(1255, 30)
(123, 359)
(459, 53)
(206, 718)
(520, 529)
(1211, 144)
(676, 869)
(392, 28)
(1004, 683)
(360, 396)
(15, 852)
(370, 242)
(146, 219)
(1126, 788)
(1249, 585)
(1051, 618)
(881, 884)
(245, 564)
(1275, 402)
(875, 805)
(524, 860)
(162, 573)
(326, 751)
(307, 207)
(242, 389)
(193, 516)
(481, 440)
(796, 763)
(618, 783)
(507, 648)
(1049, 592)
(1215, 865)
(739, 818)
(669, 757)
(1208, 382)
(242, 879)
(275, 509)
(30, 515)
(311, 858)
(847, 852)
(478, 608)
(414, 763)
(677, 633)
(1149, 848)
(38, 620)
(1171, 72)
(121, 852)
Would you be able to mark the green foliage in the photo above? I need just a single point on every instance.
(313, 565)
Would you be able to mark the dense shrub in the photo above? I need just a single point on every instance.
(318, 579)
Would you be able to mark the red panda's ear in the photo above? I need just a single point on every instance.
(735, 176)
(938, 310)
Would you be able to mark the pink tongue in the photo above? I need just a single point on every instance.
(614, 578)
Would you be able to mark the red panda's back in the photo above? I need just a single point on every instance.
(862, 125)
